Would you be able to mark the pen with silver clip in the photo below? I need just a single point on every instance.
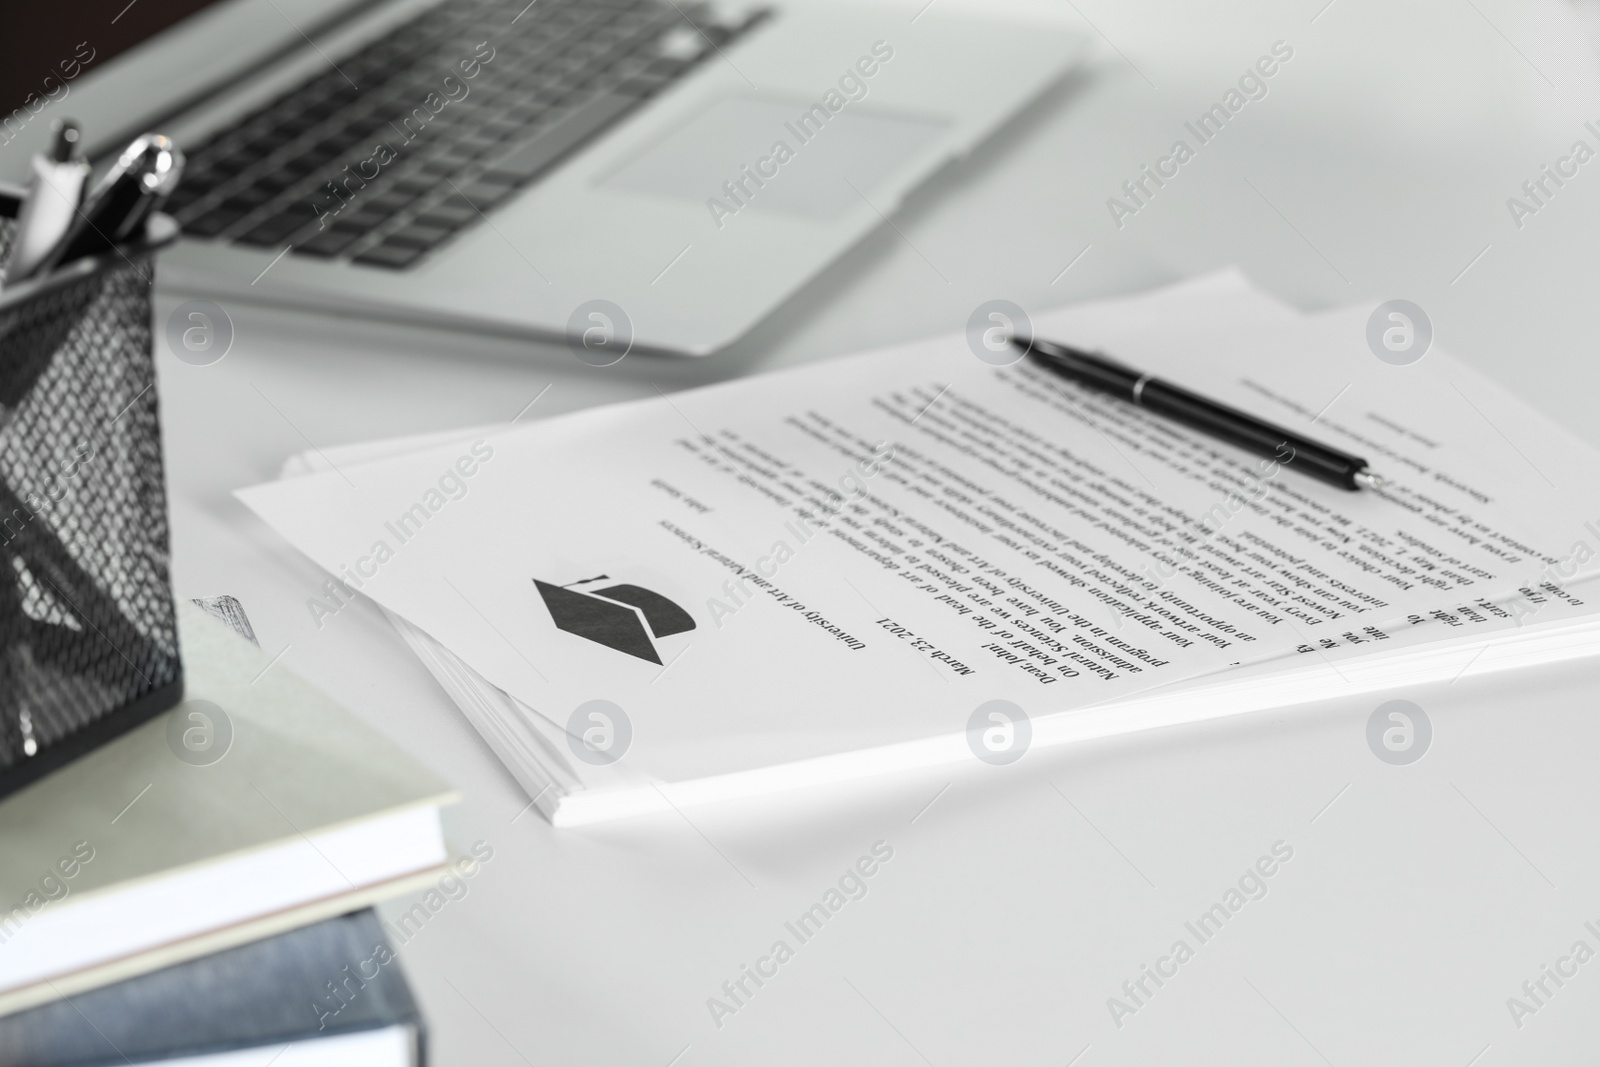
(135, 187)
(1195, 411)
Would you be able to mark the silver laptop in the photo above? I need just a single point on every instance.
(657, 174)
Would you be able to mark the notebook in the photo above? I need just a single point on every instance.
(727, 592)
(256, 806)
(326, 995)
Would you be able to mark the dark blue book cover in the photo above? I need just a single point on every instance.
(334, 978)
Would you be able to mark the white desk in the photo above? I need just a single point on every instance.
(1415, 904)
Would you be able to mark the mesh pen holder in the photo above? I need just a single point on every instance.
(88, 628)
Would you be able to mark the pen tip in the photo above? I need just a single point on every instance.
(1365, 479)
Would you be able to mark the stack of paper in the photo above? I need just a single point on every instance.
(915, 556)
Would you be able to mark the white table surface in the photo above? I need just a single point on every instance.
(1418, 899)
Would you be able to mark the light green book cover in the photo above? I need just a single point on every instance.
(256, 805)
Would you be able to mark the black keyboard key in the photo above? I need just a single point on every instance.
(638, 86)
(273, 182)
(365, 220)
(420, 234)
(262, 146)
(244, 202)
(406, 177)
(255, 193)
(392, 256)
(667, 69)
(203, 177)
(285, 128)
(439, 159)
(329, 242)
(297, 167)
(212, 222)
(182, 197)
(190, 212)
(485, 192)
(228, 166)
(548, 146)
(329, 148)
(412, 186)
(568, 62)
(500, 129)
(424, 142)
(475, 145)
(451, 214)
(358, 131)
(278, 229)
(389, 203)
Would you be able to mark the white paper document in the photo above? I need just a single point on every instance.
(826, 572)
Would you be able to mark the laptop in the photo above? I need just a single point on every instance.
(651, 175)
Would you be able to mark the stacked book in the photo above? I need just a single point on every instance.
(200, 889)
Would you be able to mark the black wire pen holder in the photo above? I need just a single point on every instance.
(88, 627)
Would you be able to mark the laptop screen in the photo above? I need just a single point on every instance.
(44, 49)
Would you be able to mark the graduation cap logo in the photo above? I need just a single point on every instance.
(624, 617)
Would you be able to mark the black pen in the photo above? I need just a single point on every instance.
(134, 188)
(1193, 410)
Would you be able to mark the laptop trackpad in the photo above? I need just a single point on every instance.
(778, 155)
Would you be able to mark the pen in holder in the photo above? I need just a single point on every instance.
(88, 628)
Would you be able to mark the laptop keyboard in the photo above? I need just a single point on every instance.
(387, 156)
